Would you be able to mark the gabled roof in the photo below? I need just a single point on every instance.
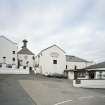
(7, 39)
(51, 47)
(25, 50)
(70, 58)
(98, 65)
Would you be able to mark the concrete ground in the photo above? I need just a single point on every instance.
(30, 90)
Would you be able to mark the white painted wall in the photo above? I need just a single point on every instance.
(13, 71)
(90, 84)
(80, 65)
(24, 60)
(71, 75)
(45, 61)
(6, 50)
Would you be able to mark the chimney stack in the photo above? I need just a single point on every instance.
(24, 43)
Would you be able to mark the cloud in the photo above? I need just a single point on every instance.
(75, 25)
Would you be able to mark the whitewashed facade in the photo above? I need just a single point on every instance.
(8, 51)
(9, 58)
(78, 65)
(94, 77)
(51, 60)
(96, 71)
(75, 63)
(26, 60)
(25, 57)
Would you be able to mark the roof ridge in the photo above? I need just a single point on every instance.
(50, 47)
(8, 39)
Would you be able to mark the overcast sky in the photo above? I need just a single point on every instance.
(77, 26)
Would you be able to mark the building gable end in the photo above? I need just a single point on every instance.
(8, 39)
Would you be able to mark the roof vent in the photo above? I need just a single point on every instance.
(24, 43)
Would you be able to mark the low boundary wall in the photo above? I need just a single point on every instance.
(14, 71)
(97, 83)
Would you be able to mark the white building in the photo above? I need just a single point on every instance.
(25, 57)
(8, 51)
(51, 60)
(96, 71)
(94, 76)
(74, 63)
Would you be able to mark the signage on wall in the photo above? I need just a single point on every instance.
(54, 54)
(25, 57)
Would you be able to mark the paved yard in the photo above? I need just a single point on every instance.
(29, 90)
(11, 92)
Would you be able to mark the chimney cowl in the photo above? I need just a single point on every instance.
(24, 43)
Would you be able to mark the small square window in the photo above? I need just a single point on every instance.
(13, 59)
(24, 67)
(54, 61)
(13, 52)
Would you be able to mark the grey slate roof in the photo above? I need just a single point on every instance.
(98, 65)
(70, 58)
(25, 50)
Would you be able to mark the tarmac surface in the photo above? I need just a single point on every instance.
(39, 90)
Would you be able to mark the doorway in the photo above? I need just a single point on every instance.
(91, 74)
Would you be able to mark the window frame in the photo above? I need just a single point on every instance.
(54, 61)
(13, 52)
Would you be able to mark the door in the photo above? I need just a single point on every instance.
(91, 74)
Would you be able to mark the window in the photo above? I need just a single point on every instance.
(81, 74)
(75, 67)
(9, 65)
(0, 64)
(54, 61)
(13, 52)
(33, 58)
(13, 59)
(66, 66)
(24, 67)
(100, 75)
